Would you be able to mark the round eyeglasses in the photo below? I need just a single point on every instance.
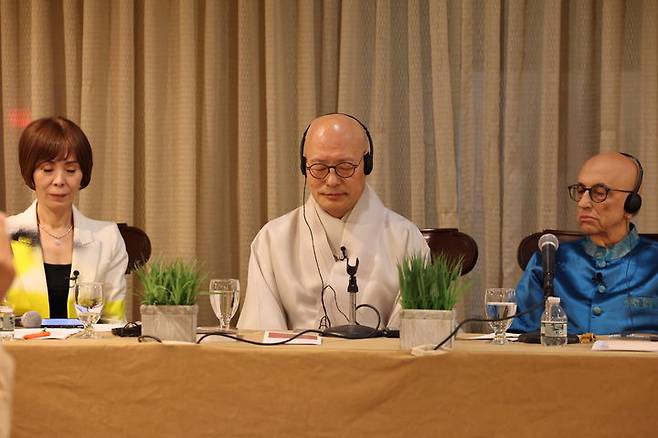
(343, 170)
(597, 192)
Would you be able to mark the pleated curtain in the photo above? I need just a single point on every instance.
(481, 112)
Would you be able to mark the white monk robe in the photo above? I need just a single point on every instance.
(284, 287)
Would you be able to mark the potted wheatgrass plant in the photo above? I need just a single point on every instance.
(169, 310)
(429, 291)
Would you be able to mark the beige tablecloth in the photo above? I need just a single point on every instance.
(6, 391)
(364, 388)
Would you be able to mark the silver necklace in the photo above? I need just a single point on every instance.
(58, 239)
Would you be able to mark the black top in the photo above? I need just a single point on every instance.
(57, 279)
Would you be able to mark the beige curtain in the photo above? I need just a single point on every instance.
(481, 112)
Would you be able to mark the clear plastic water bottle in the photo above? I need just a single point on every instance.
(553, 324)
(7, 321)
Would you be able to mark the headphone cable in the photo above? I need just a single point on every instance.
(325, 321)
(516, 315)
(265, 344)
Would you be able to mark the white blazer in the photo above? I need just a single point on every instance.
(99, 254)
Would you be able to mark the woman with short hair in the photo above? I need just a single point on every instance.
(51, 240)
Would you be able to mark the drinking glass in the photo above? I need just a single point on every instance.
(500, 303)
(225, 299)
(88, 306)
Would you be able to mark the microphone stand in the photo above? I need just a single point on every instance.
(548, 245)
(353, 329)
(548, 285)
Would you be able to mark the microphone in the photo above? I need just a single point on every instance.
(76, 274)
(342, 257)
(31, 319)
(548, 245)
(598, 279)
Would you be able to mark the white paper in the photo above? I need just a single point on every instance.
(488, 336)
(55, 333)
(624, 345)
(271, 337)
(61, 333)
(100, 328)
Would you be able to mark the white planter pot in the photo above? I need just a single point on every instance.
(170, 323)
(420, 327)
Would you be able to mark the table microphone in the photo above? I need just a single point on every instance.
(31, 319)
(342, 257)
(353, 330)
(548, 245)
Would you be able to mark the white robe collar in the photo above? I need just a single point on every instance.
(333, 228)
(361, 224)
(26, 222)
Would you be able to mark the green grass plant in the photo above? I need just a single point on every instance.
(430, 285)
(173, 283)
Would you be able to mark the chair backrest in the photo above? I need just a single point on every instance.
(138, 246)
(529, 244)
(453, 244)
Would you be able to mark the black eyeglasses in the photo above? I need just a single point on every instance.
(597, 193)
(343, 170)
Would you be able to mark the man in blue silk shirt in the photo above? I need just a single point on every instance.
(608, 280)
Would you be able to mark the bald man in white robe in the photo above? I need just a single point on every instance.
(343, 216)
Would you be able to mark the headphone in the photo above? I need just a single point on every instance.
(634, 200)
(367, 158)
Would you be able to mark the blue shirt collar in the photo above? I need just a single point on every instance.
(616, 251)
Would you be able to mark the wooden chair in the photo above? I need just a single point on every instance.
(528, 244)
(138, 246)
(453, 244)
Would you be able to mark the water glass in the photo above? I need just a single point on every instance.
(88, 306)
(224, 299)
(500, 303)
